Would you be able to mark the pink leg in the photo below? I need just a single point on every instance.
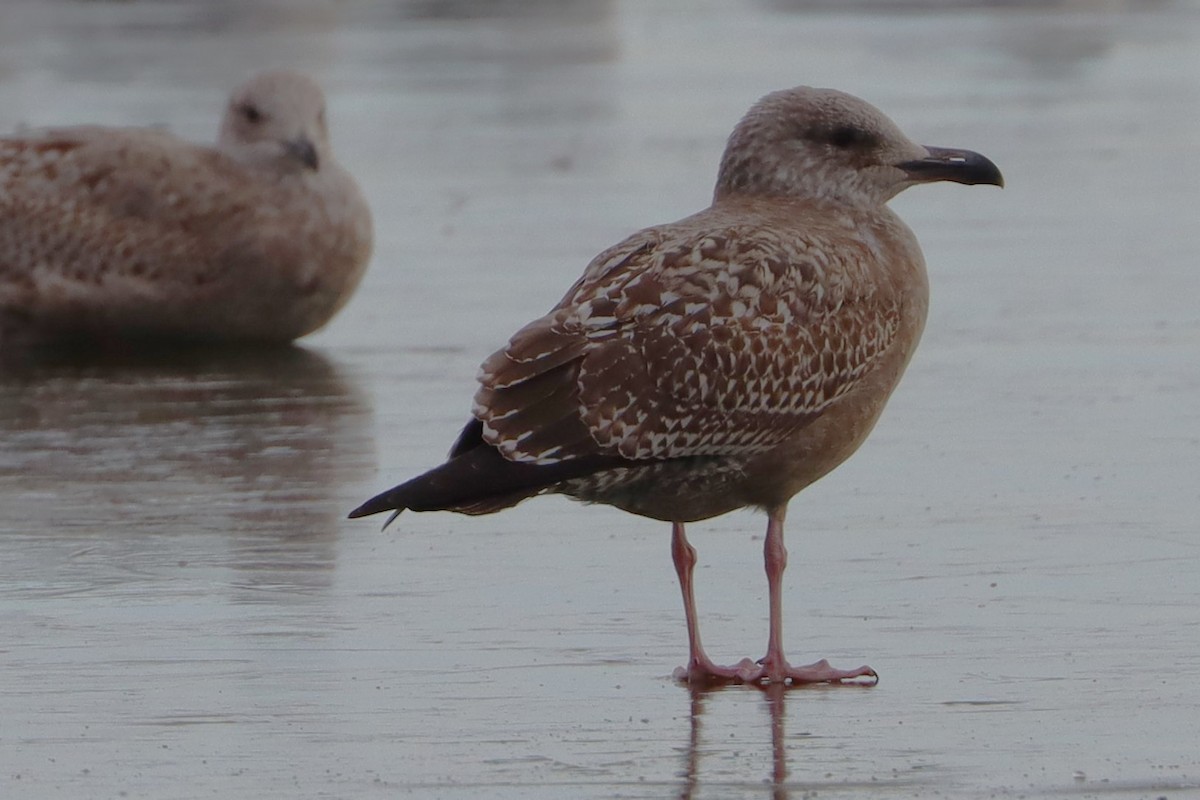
(775, 668)
(700, 669)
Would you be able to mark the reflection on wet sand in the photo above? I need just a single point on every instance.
(698, 783)
(774, 694)
(248, 445)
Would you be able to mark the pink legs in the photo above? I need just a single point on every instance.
(700, 668)
(773, 668)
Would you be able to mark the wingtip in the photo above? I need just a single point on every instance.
(361, 511)
(376, 505)
(373, 507)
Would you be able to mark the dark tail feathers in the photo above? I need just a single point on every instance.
(480, 480)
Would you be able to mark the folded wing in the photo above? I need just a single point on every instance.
(678, 344)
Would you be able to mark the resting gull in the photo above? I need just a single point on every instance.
(723, 361)
(115, 232)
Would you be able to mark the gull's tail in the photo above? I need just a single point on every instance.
(479, 481)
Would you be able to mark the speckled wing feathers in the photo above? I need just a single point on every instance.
(677, 343)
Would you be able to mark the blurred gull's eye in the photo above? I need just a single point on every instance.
(250, 113)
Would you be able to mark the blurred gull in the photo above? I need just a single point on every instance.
(133, 232)
(726, 360)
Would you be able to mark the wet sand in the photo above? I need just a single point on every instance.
(187, 613)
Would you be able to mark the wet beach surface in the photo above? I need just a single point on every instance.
(187, 613)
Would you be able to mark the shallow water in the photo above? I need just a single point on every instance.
(187, 613)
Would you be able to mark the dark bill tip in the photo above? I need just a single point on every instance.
(303, 151)
(948, 164)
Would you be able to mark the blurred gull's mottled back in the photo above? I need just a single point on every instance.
(135, 232)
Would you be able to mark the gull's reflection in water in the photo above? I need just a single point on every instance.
(230, 460)
(700, 780)
(774, 696)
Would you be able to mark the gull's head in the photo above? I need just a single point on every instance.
(826, 144)
(276, 119)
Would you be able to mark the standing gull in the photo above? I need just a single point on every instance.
(726, 360)
(117, 232)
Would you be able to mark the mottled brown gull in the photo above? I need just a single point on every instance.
(135, 232)
(726, 360)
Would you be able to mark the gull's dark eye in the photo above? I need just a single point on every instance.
(847, 136)
(250, 113)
